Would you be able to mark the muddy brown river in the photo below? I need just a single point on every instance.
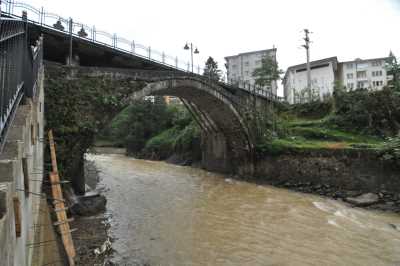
(164, 214)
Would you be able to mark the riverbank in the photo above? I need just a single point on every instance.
(91, 237)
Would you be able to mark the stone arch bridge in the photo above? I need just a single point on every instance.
(224, 114)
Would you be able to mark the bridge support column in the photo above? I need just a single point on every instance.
(215, 153)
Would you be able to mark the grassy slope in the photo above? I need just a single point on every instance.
(299, 131)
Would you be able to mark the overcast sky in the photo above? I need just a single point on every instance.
(347, 29)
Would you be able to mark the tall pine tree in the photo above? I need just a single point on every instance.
(211, 70)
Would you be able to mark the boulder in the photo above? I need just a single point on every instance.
(363, 200)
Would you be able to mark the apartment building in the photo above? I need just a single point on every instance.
(323, 76)
(364, 74)
(240, 67)
(357, 74)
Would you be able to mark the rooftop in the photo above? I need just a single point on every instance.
(366, 60)
(312, 64)
(253, 52)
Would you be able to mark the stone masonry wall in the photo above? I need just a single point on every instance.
(347, 170)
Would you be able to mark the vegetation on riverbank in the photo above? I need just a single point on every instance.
(154, 131)
(359, 119)
(77, 107)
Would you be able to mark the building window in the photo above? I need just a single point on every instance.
(361, 74)
(376, 63)
(234, 66)
(349, 75)
(377, 73)
(360, 84)
(377, 83)
(350, 86)
(349, 65)
(258, 62)
(246, 63)
(246, 73)
(362, 65)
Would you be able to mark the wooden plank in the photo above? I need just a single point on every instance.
(17, 214)
(60, 210)
(63, 221)
(53, 152)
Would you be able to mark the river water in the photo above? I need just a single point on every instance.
(164, 214)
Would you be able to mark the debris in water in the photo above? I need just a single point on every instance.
(106, 247)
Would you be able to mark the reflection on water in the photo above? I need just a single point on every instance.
(171, 215)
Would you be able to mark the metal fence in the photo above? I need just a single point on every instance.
(19, 68)
(40, 16)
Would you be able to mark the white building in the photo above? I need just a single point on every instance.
(357, 74)
(364, 74)
(323, 76)
(240, 67)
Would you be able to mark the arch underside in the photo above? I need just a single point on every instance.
(215, 113)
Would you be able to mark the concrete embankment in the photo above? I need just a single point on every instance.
(24, 228)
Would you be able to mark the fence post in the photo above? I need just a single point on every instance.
(94, 33)
(149, 52)
(163, 57)
(176, 62)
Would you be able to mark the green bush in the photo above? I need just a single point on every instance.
(315, 110)
(376, 112)
(391, 150)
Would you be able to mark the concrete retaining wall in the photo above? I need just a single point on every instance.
(24, 142)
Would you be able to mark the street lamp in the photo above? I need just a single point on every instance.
(191, 51)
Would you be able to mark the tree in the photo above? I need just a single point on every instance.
(267, 72)
(211, 70)
(393, 69)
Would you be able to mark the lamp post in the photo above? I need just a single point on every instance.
(196, 51)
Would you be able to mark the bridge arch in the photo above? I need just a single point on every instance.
(227, 141)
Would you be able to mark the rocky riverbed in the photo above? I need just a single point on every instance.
(381, 200)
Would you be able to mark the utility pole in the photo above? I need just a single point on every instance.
(307, 47)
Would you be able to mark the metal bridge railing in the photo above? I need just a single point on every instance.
(19, 68)
(40, 16)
